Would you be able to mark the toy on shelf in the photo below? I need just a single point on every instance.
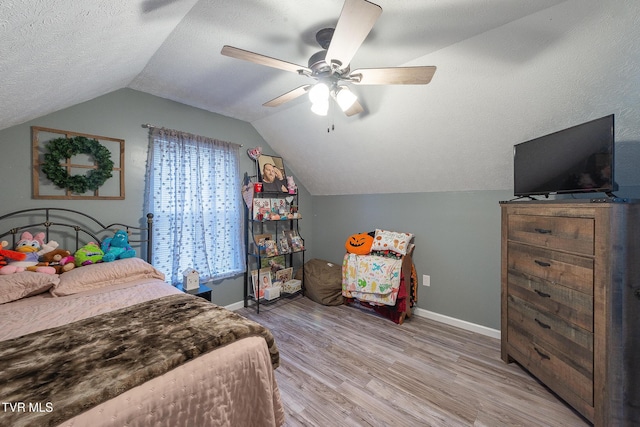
(291, 185)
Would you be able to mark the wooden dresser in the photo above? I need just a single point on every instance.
(571, 302)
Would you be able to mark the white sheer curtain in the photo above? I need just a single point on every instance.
(193, 190)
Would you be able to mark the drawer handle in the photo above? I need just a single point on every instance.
(637, 293)
(543, 231)
(542, 325)
(542, 263)
(542, 294)
(541, 354)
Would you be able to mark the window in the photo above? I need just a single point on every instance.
(193, 190)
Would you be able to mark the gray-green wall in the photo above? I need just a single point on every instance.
(457, 238)
(120, 114)
(457, 233)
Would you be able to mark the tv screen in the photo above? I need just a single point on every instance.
(574, 160)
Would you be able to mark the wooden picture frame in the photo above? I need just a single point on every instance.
(112, 189)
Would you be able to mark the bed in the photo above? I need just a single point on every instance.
(378, 273)
(112, 344)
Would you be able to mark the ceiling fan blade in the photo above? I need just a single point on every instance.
(393, 76)
(356, 21)
(245, 55)
(356, 108)
(299, 91)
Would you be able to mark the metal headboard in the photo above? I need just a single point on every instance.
(68, 224)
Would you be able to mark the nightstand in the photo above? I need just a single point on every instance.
(202, 292)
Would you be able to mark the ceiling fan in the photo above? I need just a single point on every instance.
(331, 66)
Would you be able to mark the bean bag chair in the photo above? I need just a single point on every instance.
(322, 281)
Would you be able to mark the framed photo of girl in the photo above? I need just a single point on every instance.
(264, 282)
(272, 174)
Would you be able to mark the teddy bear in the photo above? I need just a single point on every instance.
(117, 247)
(60, 259)
(88, 254)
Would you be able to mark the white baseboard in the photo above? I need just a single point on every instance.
(235, 306)
(462, 324)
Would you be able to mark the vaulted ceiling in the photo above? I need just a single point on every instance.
(505, 68)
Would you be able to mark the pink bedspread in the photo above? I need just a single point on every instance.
(231, 386)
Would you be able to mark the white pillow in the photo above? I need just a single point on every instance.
(391, 241)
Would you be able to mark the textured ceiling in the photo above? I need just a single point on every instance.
(57, 53)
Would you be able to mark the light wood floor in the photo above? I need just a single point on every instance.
(343, 366)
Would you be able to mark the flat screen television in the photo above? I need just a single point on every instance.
(574, 160)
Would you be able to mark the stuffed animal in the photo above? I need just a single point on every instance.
(291, 185)
(6, 256)
(48, 247)
(88, 254)
(60, 259)
(30, 245)
(254, 153)
(117, 247)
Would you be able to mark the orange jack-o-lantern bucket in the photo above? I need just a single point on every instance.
(359, 244)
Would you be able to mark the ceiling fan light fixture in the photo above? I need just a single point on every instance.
(331, 66)
(319, 93)
(345, 98)
(320, 108)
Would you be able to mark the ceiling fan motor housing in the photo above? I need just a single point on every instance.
(317, 63)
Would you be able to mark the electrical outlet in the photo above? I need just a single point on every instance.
(426, 280)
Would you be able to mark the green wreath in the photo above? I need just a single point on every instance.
(65, 148)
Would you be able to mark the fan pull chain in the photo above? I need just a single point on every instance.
(331, 116)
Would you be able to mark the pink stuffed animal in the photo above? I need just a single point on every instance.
(291, 185)
(29, 245)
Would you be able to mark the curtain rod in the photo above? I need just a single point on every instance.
(150, 126)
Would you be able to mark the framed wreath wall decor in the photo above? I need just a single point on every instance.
(61, 149)
(53, 163)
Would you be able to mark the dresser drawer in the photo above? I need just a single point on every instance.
(562, 233)
(568, 304)
(576, 344)
(554, 369)
(572, 271)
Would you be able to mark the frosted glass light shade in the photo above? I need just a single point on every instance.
(345, 98)
(319, 93)
(320, 108)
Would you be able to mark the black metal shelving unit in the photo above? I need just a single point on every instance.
(255, 259)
